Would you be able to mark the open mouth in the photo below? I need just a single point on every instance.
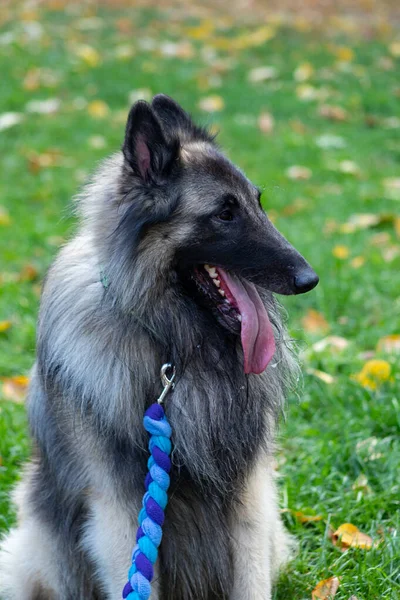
(236, 304)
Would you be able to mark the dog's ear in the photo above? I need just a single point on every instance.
(145, 147)
(176, 121)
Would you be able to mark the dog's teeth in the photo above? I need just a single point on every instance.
(239, 318)
(211, 271)
(221, 292)
(216, 282)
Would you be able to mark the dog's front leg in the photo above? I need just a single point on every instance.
(260, 544)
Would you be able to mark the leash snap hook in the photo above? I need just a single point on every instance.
(168, 382)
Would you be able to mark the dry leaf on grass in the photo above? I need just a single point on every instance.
(326, 589)
(43, 107)
(298, 172)
(28, 273)
(302, 518)
(259, 74)
(15, 388)
(331, 342)
(5, 219)
(332, 112)
(5, 326)
(389, 343)
(349, 536)
(212, 103)
(314, 322)
(266, 123)
(341, 252)
(303, 72)
(9, 119)
(325, 377)
(98, 109)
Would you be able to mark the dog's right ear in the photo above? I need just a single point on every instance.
(145, 147)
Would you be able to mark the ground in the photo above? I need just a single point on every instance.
(310, 111)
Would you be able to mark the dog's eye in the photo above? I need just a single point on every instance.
(226, 215)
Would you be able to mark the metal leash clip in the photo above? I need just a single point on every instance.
(167, 382)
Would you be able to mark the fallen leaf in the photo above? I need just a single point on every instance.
(361, 485)
(48, 159)
(5, 219)
(43, 107)
(349, 536)
(5, 326)
(97, 142)
(298, 172)
(88, 55)
(366, 221)
(373, 374)
(326, 589)
(302, 518)
(98, 109)
(303, 72)
(333, 113)
(341, 252)
(9, 119)
(392, 187)
(307, 92)
(332, 342)
(357, 262)
(259, 74)
(325, 377)
(298, 205)
(349, 167)
(15, 388)
(314, 322)
(394, 49)
(329, 141)
(266, 123)
(389, 344)
(212, 103)
(345, 54)
(28, 273)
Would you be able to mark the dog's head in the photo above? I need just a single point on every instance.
(189, 213)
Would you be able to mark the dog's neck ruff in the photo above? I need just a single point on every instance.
(151, 517)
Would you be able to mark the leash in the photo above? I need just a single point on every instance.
(151, 516)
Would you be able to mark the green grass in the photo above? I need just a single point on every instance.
(322, 442)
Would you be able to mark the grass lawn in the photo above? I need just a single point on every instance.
(312, 116)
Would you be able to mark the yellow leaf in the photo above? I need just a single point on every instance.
(15, 388)
(373, 374)
(212, 103)
(357, 262)
(394, 49)
(315, 322)
(303, 72)
(341, 252)
(202, 31)
(344, 53)
(300, 516)
(5, 326)
(349, 536)
(4, 217)
(326, 589)
(88, 55)
(325, 377)
(389, 343)
(297, 172)
(98, 109)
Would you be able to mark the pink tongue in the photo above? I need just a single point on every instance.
(258, 340)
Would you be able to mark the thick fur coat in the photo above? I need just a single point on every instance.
(115, 307)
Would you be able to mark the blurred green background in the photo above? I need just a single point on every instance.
(307, 102)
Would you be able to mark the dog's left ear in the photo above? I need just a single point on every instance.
(145, 148)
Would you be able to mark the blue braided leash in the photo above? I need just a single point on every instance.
(151, 516)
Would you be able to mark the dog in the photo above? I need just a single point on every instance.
(174, 261)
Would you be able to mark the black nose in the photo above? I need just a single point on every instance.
(305, 281)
